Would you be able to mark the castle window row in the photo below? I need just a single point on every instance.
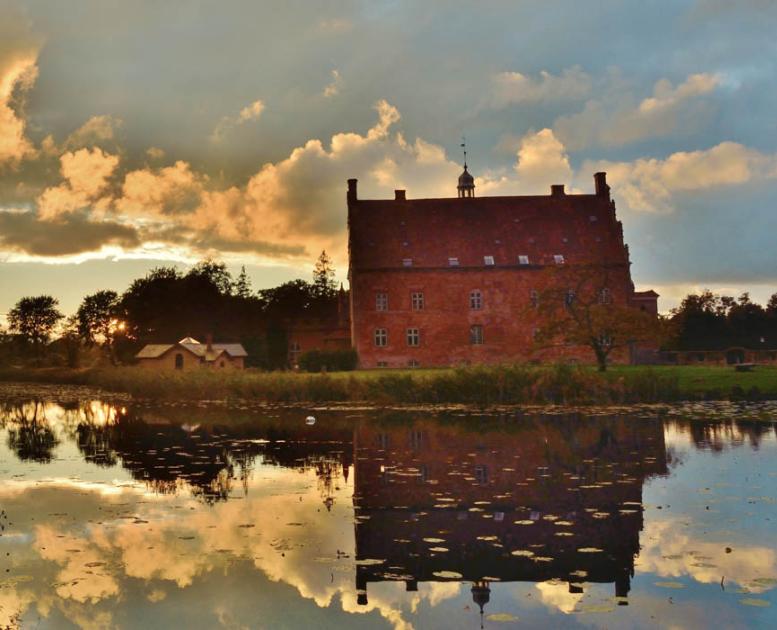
(490, 260)
(413, 336)
(418, 301)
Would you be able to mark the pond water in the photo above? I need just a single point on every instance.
(125, 515)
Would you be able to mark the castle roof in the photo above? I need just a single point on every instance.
(435, 233)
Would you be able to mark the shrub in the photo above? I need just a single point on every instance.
(328, 360)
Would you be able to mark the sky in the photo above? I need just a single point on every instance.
(140, 134)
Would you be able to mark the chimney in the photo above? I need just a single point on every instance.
(209, 342)
(600, 184)
(557, 190)
(399, 195)
(352, 190)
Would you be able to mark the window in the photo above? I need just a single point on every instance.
(381, 301)
(605, 340)
(481, 474)
(407, 262)
(535, 334)
(523, 259)
(558, 259)
(179, 361)
(476, 335)
(592, 218)
(382, 364)
(413, 363)
(417, 301)
(475, 300)
(294, 352)
(534, 298)
(453, 261)
(569, 297)
(381, 337)
(413, 337)
(488, 261)
(221, 364)
(604, 296)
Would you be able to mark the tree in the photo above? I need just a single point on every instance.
(34, 318)
(210, 272)
(580, 308)
(97, 317)
(324, 285)
(242, 286)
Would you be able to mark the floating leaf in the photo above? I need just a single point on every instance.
(501, 617)
(752, 601)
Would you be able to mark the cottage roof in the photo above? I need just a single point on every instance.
(156, 350)
(426, 233)
(153, 350)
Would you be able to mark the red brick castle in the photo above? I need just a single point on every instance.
(449, 281)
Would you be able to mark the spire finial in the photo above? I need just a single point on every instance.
(464, 147)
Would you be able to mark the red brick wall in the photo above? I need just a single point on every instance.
(506, 316)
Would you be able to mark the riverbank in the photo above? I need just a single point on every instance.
(483, 386)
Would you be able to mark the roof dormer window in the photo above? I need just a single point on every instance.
(407, 262)
(488, 261)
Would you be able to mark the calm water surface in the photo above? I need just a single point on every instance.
(137, 516)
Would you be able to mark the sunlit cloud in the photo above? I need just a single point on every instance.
(248, 113)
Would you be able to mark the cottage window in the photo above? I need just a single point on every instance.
(381, 301)
(407, 262)
(475, 300)
(534, 298)
(413, 363)
(413, 337)
(605, 297)
(453, 261)
(381, 337)
(523, 259)
(488, 261)
(476, 335)
(417, 301)
(558, 259)
(179, 361)
(569, 297)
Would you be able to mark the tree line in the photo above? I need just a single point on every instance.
(166, 305)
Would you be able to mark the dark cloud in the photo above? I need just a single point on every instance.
(23, 232)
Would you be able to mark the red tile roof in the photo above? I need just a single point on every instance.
(430, 231)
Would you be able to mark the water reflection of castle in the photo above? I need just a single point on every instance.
(525, 501)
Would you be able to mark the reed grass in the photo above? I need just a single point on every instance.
(477, 385)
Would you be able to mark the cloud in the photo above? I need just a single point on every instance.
(170, 190)
(96, 130)
(248, 113)
(651, 185)
(18, 71)
(21, 231)
(333, 88)
(516, 88)
(617, 120)
(86, 173)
